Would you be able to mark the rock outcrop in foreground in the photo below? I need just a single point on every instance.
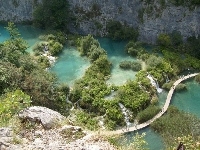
(40, 128)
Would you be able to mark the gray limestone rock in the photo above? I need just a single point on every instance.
(150, 19)
(47, 117)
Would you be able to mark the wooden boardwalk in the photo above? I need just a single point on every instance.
(164, 109)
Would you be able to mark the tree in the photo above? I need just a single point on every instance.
(51, 14)
(164, 40)
(153, 61)
(13, 31)
(118, 31)
(12, 49)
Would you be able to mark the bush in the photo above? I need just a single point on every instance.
(136, 66)
(12, 103)
(127, 65)
(164, 40)
(181, 87)
(167, 85)
(148, 113)
(117, 31)
(197, 78)
(87, 120)
(133, 48)
(90, 47)
(55, 48)
(51, 14)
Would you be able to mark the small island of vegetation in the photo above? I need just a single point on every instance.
(25, 80)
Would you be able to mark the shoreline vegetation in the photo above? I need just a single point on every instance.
(88, 94)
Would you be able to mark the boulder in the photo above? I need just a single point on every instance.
(47, 117)
(5, 137)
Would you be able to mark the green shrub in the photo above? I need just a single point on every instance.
(140, 15)
(148, 113)
(136, 66)
(51, 14)
(167, 85)
(43, 61)
(87, 120)
(117, 31)
(11, 104)
(125, 65)
(180, 87)
(55, 48)
(133, 48)
(197, 78)
(164, 40)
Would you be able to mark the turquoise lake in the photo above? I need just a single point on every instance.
(70, 66)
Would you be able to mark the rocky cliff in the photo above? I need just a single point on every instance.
(17, 10)
(150, 17)
(38, 128)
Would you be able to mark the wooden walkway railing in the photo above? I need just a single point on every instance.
(164, 109)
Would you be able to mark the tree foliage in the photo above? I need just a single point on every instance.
(11, 103)
(21, 71)
(90, 47)
(51, 14)
(127, 65)
(148, 113)
(117, 31)
(134, 48)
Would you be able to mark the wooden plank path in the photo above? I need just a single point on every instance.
(164, 109)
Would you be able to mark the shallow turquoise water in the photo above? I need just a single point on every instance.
(189, 100)
(116, 54)
(3, 34)
(29, 33)
(153, 139)
(70, 66)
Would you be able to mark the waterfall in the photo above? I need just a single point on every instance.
(154, 83)
(125, 113)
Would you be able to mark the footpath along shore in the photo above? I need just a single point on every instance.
(164, 109)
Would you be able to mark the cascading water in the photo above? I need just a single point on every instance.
(154, 83)
(126, 114)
